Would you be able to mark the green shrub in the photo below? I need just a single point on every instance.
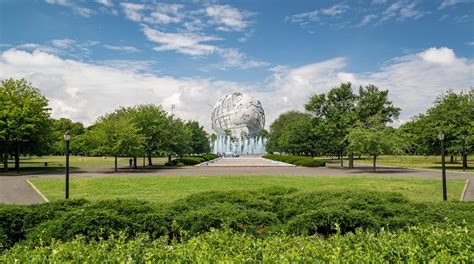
(261, 212)
(296, 160)
(417, 244)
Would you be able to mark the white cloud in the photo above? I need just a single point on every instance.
(105, 2)
(470, 43)
(367, 19)
(401, 11)
(133, 11)
(83, 91)
(121, 48)
(62, 43)
(83, 11)
(233, 58)
(227, 18)
(165, 14)
(318, 15)
(449, 3)
(185, 43)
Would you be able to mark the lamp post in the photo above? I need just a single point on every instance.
(67, 137)
(443, 165)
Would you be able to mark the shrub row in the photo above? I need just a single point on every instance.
(430, 244)
(304, 161)
(260, 212)
(191, 160)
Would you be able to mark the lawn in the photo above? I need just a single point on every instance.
(412, 161)
(170, 188)
(57, 163)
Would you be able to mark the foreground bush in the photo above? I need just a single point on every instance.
(451, 244)
(296, 160)
(261, 213)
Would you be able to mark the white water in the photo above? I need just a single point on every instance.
(242, 146)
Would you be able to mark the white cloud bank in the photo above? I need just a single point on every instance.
(83, 91)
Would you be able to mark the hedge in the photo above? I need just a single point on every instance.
(192, 160)
(296, 160)
(261, 212)
(430, 244)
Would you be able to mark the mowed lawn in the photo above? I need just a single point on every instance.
(58, 163)
(420, 162)
(169, 188)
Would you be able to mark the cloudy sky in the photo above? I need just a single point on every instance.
(91, 56)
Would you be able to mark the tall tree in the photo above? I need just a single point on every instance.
(337, 109)
(116, 134)
(199, 139)
(278, 128)
(24, 120)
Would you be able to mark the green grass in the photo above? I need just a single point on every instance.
(420, 162)
(170, 188)
(57, 163)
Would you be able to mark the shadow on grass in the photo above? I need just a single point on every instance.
(35, 170)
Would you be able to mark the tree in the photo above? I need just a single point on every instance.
(199, 139)
(373, 102)
(24, 120)
(340, 109)
(59, 127)
(278, 128)
(452, 114)
(374, 140)
(116, 134)
(154, 124)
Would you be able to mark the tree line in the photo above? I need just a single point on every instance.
(26, 127)
(343, 122)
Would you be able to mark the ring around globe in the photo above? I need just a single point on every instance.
(238, 120)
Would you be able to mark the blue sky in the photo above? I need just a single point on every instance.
(279, 51)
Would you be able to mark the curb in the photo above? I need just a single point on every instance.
(464, 191)
(38, 191)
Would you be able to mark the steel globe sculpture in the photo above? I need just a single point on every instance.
(237, 119)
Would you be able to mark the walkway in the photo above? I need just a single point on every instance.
(245, 161)
(16, 189)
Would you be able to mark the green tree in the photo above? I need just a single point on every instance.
(24, 120)
(374, 140)
(199, 138)
(278, 128)
(154, 124)
(373, 102)
(452, 114)
(116, 134)
(59, 127)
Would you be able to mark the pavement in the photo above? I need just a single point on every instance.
(244, 161)
(16, 189)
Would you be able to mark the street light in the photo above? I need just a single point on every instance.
(443, 165)
(67, 137)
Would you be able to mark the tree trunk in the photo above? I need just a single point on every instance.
(116, 169)
(149, 160)
(134, 162)
(452, 159)
(375, 159)
(342, 160)
(464, 161)
(169, 158)
(351, 161)
(17, 158)
(5, 161)
(144, 161)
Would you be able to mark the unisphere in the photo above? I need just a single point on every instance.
(238, 120)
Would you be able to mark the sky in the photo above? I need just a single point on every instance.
(89, 57)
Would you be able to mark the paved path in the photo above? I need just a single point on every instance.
(15, 189)
(245, 161)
